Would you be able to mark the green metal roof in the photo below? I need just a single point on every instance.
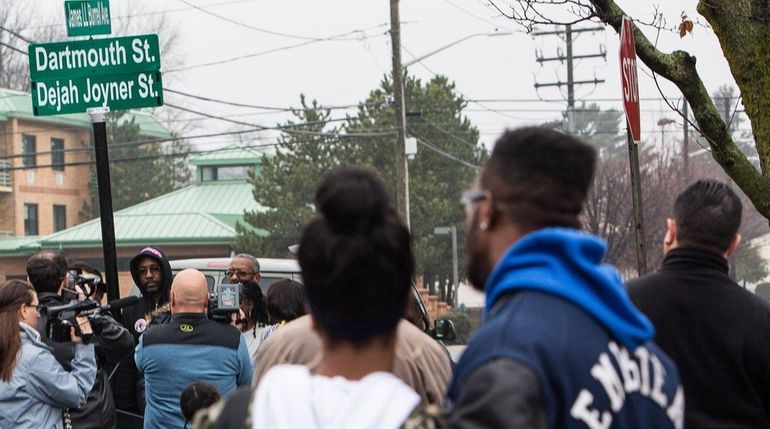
(17, 245)
(199, 214)
(230, 155)
(17, 104)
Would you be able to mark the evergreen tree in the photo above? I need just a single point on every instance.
(138, 172)
(286, 183)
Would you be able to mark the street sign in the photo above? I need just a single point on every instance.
(629, 79)
(117, 91)
(119, 72)
(87, 17)
(81, 58)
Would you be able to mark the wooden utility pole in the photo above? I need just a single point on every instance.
(402, 193)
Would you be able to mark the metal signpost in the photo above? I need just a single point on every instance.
(94, 76)
(629, 80)
(87, 17)
(452, 230)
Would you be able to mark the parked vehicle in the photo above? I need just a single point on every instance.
(273, 270)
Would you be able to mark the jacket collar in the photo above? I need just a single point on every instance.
(691, 257)
(188, 316)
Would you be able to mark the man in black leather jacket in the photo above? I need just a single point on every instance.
(47, 272)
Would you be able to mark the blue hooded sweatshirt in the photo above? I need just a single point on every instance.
(568, 263)
(553, 307)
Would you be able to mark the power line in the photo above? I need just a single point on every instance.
(254, 106)
(250, 27)
(445, 154)
(162, 12)
(287, 128)
(13, 48)
(18, 36)
(338, 37)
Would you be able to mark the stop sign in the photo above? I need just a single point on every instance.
(629, 79)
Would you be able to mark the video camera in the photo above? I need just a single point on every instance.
(59, 319)
(89, 284)
(224, 301)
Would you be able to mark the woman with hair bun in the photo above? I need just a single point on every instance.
(357, 266)
(34, 388)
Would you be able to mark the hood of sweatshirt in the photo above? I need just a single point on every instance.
(166, 276)
(568, 263)
(289, 396)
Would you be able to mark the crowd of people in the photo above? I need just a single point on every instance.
(564, 342)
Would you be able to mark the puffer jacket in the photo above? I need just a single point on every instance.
(111, 342)
(40, 387)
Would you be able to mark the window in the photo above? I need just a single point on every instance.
(28, 150)
(225, 172)
(208, 174)
(235, 172)
(59, 218)
(30, 219)
(57, 154)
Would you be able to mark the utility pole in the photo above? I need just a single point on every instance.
(569, 58)
(570, 81)
(686, 142)
(402, 196)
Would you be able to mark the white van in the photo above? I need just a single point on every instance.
(214, 269)
(273, 270)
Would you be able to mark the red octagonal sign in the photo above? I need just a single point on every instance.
(628, 78)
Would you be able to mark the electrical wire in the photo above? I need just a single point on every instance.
(337, 37)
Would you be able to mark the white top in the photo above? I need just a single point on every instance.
(289, 396)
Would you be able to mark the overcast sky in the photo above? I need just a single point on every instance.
(498, 72)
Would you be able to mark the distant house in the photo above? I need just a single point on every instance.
(45, 176)
(193, 222)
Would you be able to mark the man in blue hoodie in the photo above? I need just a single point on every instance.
(561, 345)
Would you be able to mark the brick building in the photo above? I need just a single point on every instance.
(41, 191)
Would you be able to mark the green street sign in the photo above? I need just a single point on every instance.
(87, 17)
(81, 58)
(76, 94)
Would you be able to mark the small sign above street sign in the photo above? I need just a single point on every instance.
(81, 58)
(87, 17)
(629, 79)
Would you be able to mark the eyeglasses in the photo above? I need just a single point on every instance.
(238, 273)
(472, 196)
(155, 269)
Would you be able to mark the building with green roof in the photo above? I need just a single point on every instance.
(197, 221)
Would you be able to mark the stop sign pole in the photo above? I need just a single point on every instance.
(628, 78)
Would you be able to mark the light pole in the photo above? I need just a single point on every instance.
(402, 172)
(443, 230)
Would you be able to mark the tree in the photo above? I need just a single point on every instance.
(138, 172)
(285, 184)
(19, 24)
(442, 168)
(742, 30)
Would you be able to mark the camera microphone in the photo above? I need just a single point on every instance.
(120, 303)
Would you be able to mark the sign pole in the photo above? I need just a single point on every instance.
(98, 117)
(636, 196)
(630, 84)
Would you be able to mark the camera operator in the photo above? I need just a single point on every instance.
(33, 385)
(47, 271)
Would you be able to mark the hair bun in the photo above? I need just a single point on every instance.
(353, 201)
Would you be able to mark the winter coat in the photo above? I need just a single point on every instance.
(562, 346)
(717, 333)
(111, 343)
(40, 387)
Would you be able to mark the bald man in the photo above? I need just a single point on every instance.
(190, 348)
